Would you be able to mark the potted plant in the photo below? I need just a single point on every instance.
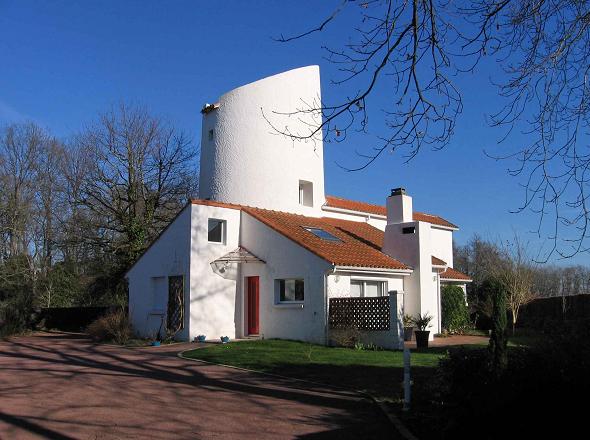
(224, 339)
(408, 322)
(200, 338)
(422, 322)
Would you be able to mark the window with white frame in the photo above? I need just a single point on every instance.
(367, 288)
(216, 231)
(305, 193)
(290, 290)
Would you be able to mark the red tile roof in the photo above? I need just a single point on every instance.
(438, 262)
(359, 245)
(452, 274)
(369, 208)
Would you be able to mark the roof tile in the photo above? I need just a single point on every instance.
(359, 245)
(438, 262)
(369, 208)
(453, 274)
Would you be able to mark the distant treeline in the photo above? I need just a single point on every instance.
(76, 212)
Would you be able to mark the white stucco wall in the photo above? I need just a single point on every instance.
(249, 163)
(148, 278)
(285, 260)
(421, 294)
(214, 311)
(377, 222)
(441, 241)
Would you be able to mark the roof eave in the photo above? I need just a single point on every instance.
(403, 272)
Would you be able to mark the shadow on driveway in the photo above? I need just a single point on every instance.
(64, 386)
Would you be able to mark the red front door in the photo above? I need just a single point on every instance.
(253, 289)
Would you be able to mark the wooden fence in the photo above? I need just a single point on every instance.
(360, 313)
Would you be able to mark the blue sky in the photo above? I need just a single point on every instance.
(63, 62)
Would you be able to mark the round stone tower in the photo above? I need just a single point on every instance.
(255, 147)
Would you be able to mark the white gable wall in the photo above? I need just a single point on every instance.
(168, 256)
(285, 259)
(213, 309)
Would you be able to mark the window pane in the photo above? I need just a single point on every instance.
(299, 295)
(288, 290)
(215, 230)
(324, 235)
(373, 288)
(356, 288)
(291, 290)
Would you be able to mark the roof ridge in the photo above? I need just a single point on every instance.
(357, 206)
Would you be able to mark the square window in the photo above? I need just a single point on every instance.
(291, 290)
(366, 289)
(216, 232)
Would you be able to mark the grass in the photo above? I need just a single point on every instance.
(379, 373)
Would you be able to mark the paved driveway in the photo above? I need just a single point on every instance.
(65, 387)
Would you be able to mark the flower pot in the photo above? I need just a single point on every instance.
(224, 339)
(200, 338)
(155, 343)
(422, 338)
(408, 333)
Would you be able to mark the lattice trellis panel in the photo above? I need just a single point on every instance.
(360, 313)
(175, 320)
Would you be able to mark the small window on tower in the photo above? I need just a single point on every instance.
(211, 134)
(305, 193)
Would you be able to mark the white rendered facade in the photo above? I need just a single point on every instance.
(244, 160)
(245, 163)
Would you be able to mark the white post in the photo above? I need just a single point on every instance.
(407, 380)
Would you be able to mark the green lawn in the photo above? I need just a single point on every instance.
(377, 372)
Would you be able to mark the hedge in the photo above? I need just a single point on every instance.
(455, 316)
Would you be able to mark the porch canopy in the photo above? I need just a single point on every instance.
(221, 266)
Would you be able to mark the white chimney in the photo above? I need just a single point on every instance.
(399, 207)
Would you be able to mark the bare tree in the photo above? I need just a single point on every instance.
(411, 50)
(516, 273)
(401, 43)
(138, 171)
(20, 147)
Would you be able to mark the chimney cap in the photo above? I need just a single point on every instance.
(398, 191)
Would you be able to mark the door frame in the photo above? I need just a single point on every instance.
(252, 281)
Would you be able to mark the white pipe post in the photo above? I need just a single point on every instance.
(407, 380)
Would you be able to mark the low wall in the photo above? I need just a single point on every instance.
(72, 319)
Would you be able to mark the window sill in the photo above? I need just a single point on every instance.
(288, 305)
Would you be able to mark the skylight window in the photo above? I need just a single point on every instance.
(320, 233)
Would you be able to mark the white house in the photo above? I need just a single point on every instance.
(264, 252)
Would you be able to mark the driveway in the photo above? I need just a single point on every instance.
(64, 386)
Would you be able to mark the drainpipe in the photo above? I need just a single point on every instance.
(438, 304)
(329, 272)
